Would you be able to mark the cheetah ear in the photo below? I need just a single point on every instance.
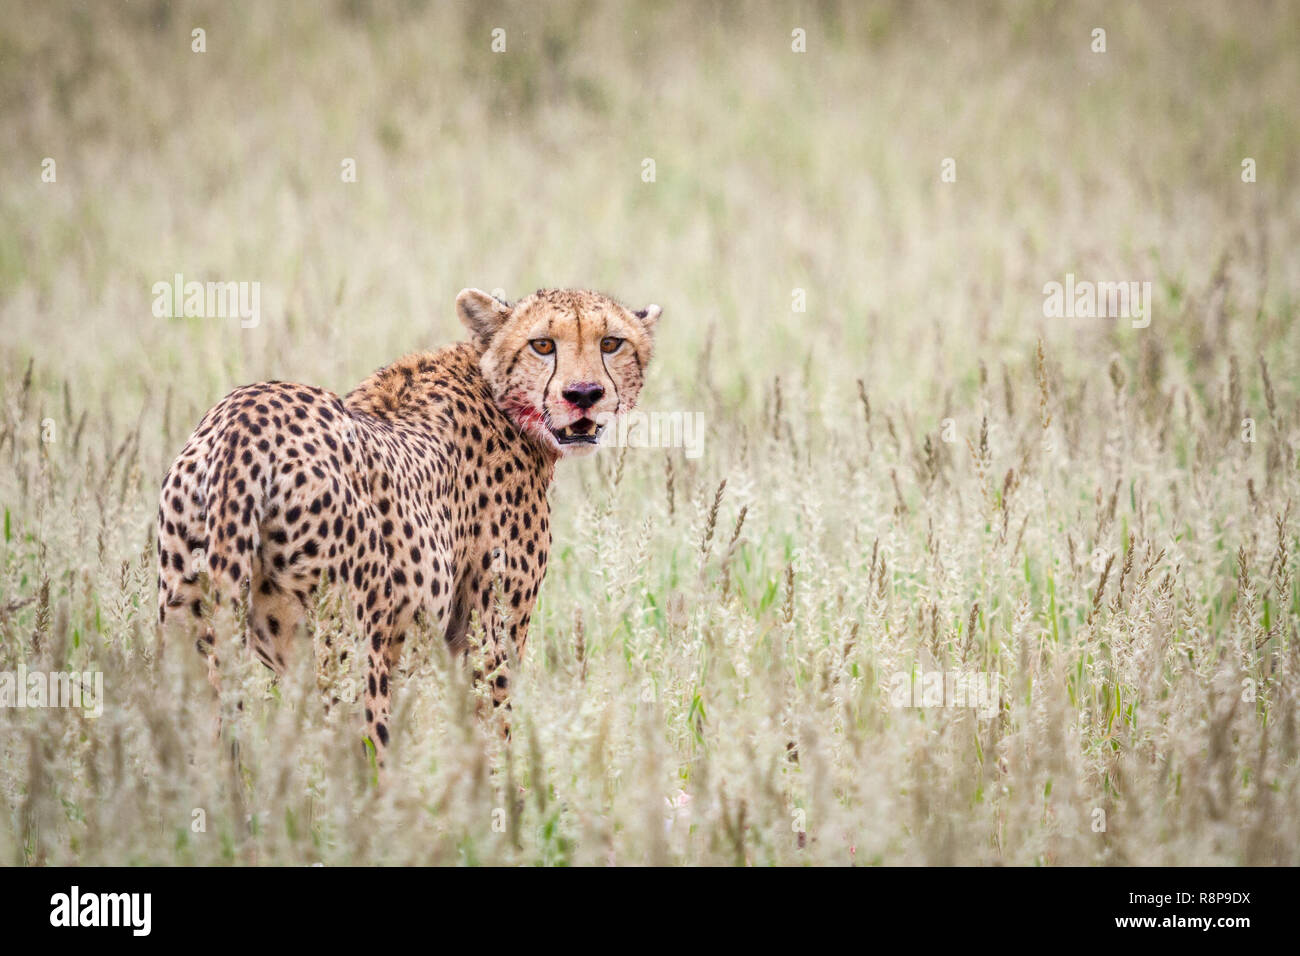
(649, 316)
(482, 314)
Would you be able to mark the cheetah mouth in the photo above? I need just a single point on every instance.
(582, 432)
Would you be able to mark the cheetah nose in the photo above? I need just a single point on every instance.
(584, 394)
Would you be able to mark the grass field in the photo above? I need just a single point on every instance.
(908, 469)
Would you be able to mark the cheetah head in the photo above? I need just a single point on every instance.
(561, 363)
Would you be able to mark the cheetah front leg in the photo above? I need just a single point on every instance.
(507, 650)
(366, 569)
(377, 619)
(503, 600)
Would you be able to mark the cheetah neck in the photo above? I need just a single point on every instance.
(445, 391)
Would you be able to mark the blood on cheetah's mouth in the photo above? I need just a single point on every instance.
(582, 432)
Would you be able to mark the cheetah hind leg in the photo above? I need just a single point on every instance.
(185, 611)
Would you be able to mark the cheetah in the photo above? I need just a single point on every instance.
(420, 494)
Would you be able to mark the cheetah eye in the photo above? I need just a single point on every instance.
(610, 344)
(543, 346)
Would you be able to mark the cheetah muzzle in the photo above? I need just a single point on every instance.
(582, 432)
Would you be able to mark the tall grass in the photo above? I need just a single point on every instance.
(918, 474)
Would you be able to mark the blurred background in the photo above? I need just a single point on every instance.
(773, 171)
